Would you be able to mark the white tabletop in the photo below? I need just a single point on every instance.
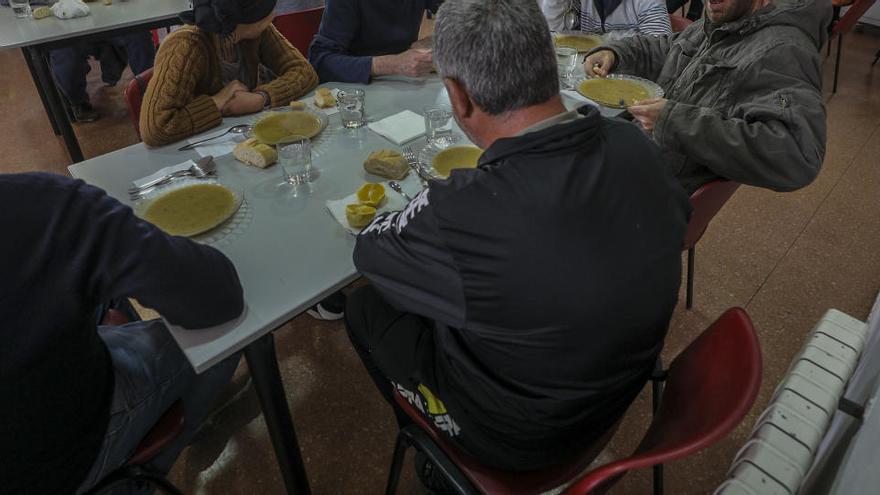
(289, 252)
(16, 33)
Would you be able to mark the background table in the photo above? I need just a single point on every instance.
(37, 37)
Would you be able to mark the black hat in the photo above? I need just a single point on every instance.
(221, 16)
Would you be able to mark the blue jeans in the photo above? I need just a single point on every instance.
(151, 374)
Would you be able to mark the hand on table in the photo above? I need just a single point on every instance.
(413, 63)
(224, 95)
(243, 102)
(646, 112)
(599, 63)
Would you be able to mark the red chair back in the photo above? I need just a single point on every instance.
(497, 482)
(300, 27)
(710, 388)
(706, 203)
(679, 23)
(134, 96)
(851, 17)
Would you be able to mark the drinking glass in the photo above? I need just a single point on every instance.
(21, 8)
(566, 61)
(438, 124)
(352, 108)
(295, 157)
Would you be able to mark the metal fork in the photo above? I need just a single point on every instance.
(413, 162)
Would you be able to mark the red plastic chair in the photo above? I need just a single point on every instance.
(134, 96)
(841, 25)
(300, 27)
(710, 387)
(706, 203)
(679, 23)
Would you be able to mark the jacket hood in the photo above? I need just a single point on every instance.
(810, 16)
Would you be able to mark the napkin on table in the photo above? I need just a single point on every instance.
(393, 201)
(162, 172)
(400, 127)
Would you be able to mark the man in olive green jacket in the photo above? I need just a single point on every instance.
(743, 92)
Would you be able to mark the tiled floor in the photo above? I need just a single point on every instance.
(786, 258)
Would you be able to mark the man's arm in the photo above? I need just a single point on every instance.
(329, 51)
(403, 256)
(777, 137)
(641, 55)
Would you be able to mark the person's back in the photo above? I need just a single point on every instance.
(69, 247)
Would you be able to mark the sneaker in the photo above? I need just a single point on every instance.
(331, 308)
(85, 113)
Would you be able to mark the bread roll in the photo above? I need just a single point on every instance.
(252, 152)
(324, 98)
(387, 163)
(298, 105)
(42, 12)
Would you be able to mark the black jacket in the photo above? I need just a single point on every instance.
(551, 271)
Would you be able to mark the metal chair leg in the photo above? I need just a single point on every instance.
(837, 62)
(876, 58)
(689, 300)
(657, 379)
(396, 464)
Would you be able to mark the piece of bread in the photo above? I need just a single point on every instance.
(108, 2)
(253, 152)
(324, 98)
(298, 105)
(42, 12)
(387, 163)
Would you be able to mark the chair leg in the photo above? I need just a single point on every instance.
(837, 62)
(657, 379)
(396, 464)
(876, 58)
(689, 299)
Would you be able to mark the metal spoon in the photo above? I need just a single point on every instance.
(394, 185)
(202, 168)
(236, 129)
(569, 18)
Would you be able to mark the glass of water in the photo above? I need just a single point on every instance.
(21, 8)
(352, 109)
(295, 157)
(566, 61)
(438, 124)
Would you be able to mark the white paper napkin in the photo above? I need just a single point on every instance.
(162, 172)
(217, 147)
(400, 127)
(393, 201)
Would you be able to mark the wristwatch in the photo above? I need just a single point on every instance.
(267, 100)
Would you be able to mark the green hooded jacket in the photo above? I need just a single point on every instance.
(745, 100)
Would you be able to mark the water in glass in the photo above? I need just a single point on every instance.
(438, 124)
(352, 108)
(566, 61)
(21, 8)
(295, 157)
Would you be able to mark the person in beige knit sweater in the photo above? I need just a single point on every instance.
(229, 60)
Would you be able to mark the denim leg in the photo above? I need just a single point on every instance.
(152, 373)
(70, 66)
(140, 49)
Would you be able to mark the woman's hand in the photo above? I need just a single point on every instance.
(226, 94)
(243, 102)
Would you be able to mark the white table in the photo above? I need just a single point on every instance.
(37, 37)
(289, 252)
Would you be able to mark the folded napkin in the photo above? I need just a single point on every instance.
(393, 201)
(400, 127)
(217, 147)
(163, 172)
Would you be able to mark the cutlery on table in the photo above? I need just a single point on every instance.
(236, 129)
(413, 162)
(394, 185)
(204, 167)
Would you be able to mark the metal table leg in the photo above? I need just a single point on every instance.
(46, 86)
(40, 91)
(263, 366)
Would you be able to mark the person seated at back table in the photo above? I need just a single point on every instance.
(78, 398)
(743, 92)
(522, 303)
(613, 18)
(230, 61)
(359, 39)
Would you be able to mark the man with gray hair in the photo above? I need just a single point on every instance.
(521, 305)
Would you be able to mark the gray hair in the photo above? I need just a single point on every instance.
(499, 50)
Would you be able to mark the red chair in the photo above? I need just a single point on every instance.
(134, 96)
(300, 27)
(679, 23)
(706, 203)
(841, 25)
(710, 387)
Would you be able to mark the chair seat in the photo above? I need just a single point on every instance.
(165, 431)
(499, 482)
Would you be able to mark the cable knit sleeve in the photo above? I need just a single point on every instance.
(296, 76)
(171, 109)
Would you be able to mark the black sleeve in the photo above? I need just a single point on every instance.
(403, 255)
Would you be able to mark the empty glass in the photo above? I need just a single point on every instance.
(295, 157)
(438, 124)
(352, 108)
(21, 8)
(566, 61)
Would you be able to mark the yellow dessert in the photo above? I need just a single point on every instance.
(359, 216)
(456, 157)
(274, 127)
(579, 43)
(191, 210)
(614, 93)
(371, 194)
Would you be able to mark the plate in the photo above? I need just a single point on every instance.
(581, 42)
(439, 161)
(271, 128)
(189, 207)
(618, 90)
